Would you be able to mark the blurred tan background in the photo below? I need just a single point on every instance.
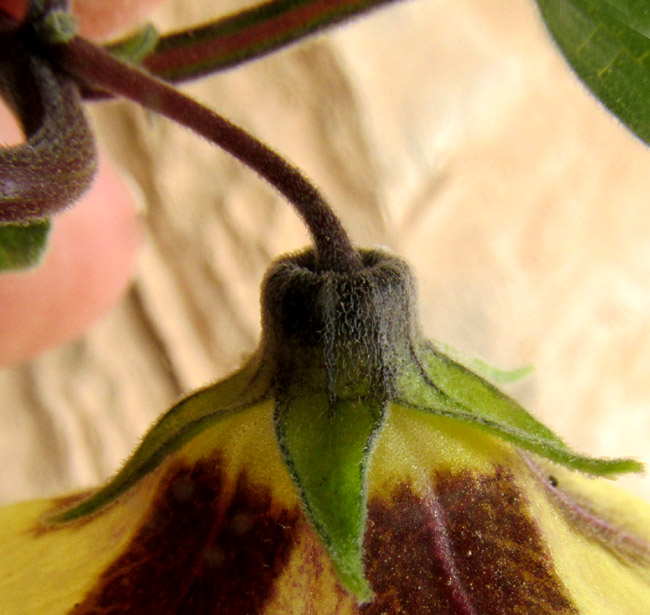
(449, 130)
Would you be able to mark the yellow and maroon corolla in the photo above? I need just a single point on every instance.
(349, 467)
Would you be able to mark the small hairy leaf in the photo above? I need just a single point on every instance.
(607, 42)
(57, 27)
(22, 246)
(138, 46)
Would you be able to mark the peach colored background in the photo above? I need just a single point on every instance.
(448, 130)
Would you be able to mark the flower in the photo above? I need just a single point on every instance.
(348, 467)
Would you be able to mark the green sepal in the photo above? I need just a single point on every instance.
(435, 383)
(608, 45)
(483, 368)
(327, 445)
(23, 245)
(186, 420)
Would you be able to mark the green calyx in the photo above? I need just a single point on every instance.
(338, 350)
(347, 345)
(337, 341)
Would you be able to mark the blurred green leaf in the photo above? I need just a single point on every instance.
(247, 35)
(607, 42)
(22, 246)
(483, 368)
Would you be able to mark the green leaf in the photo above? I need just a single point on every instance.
(439, 385)
(22, 246)
(248, 34)
(607, 42)
(327, 446)
(184, 421)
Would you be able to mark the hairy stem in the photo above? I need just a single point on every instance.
(91, 65)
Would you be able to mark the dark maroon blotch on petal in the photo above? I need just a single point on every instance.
(470, 547)
(207, 547)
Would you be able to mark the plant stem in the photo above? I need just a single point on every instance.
(91, 65)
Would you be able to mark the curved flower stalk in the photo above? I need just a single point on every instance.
(607, 47)
(348, 467)
(56, 164)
